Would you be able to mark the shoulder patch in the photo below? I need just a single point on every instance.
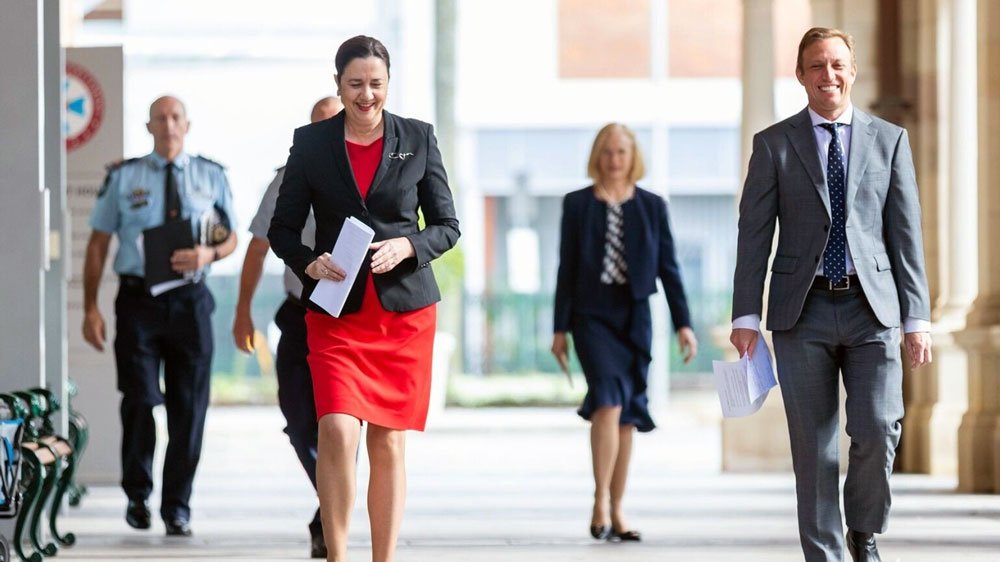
(104, 187)
(209, 161)
(112, 167)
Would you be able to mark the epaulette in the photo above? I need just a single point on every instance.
(209, 161)
(112, 166)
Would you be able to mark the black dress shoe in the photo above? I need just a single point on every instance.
(600, 532)
(631, 535)
(178, 527)
(137, 515)
(317, 546)
(862, 547)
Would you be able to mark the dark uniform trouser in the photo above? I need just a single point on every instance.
(295, 390)
(175, 328)
(836, 334)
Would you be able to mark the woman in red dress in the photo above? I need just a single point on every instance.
(372, 363)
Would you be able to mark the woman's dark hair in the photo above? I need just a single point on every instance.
(360, 47)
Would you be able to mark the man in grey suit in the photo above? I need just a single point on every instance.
(848, 272)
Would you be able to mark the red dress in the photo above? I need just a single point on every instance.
(373, 364)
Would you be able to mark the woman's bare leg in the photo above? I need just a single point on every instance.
(336, 481)
(620, 477)
(604, 437)
(386, 489)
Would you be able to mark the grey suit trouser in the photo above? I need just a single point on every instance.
(838, 333)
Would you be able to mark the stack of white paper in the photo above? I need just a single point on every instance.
(348, 254)
(743, 385)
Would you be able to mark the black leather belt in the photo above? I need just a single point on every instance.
(136, 284)
(824, 284)
(132, 282)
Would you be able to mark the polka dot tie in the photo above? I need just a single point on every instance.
(834, 257)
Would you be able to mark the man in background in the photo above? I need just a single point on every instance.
(173, 328)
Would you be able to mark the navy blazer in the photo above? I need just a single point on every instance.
(649, 253)
(410, 177)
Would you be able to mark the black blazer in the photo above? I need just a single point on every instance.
(649, 253)
(410, 176)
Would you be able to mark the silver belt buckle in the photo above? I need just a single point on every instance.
(847, 284)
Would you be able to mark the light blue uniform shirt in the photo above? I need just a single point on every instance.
(132, 200)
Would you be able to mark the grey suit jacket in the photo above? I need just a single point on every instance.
(786, 183)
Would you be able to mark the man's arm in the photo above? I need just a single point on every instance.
(758, 215)
(93, 268)
(253, 268)
(903, 235)
(904, 242)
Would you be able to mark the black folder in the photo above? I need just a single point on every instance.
(158, 244)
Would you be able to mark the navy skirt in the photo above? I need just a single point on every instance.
(612, 338)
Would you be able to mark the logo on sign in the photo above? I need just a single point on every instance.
(84, 106)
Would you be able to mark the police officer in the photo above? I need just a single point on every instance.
(295, 393)
(173, 328)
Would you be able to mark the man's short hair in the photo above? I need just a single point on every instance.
(818, 34)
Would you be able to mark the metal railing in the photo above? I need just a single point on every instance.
(516, 332)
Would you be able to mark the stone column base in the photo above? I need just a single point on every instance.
(977, 435)
(760, 443)
(933, 413)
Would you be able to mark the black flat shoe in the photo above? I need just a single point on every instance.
(624, 536)
(137, 515)
(178, 527)
(317, 547)
(600, 532)
(862, 547)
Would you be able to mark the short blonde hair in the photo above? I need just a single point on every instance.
(593, 165)
(818, 34)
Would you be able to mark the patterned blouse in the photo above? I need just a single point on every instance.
(615, 269)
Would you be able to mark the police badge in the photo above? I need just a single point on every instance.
(214, 227)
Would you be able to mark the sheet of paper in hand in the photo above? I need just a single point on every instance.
(743, 385)
(348, 253)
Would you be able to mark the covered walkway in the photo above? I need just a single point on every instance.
(503, 485)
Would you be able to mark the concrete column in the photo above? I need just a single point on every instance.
(921, 35)
(757, 75)
(57, 274)
(978, 465)
(827, 13)
(22, 161)
(657, 173)
(758, 442)
(940, 390)
(963, 144)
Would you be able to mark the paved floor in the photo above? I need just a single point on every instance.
(514, 485)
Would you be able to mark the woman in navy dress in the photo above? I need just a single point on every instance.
(615, 242)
